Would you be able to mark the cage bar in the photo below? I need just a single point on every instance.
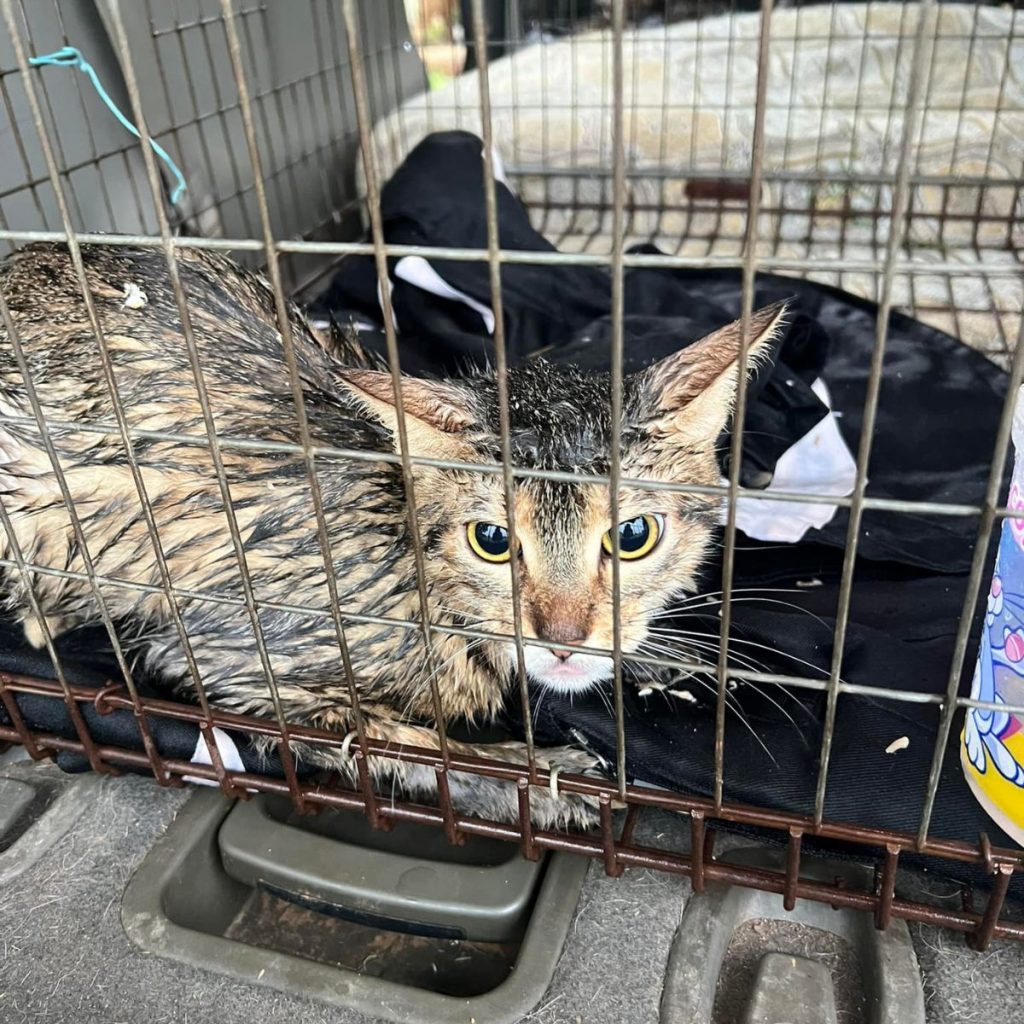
(384, 290)
(284, 748)
(501, 368)
(886, 887)
(283, 447)
(589, 259)
(925, 33)
(288, 346)
(750, 264)
(615, 382)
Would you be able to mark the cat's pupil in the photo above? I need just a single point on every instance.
(633, 533)
(492, 538)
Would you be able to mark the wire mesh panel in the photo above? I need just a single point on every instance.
(836, 98)
(875, 147)
(302, 105)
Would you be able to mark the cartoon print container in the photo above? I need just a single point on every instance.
(992, 743)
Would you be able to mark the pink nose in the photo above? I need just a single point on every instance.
(562, 655)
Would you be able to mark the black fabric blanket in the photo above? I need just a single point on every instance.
(940, 403)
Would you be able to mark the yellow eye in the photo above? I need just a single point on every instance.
(489, 541)
(637, 537)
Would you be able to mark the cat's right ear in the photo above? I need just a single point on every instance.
(689, 395)
(438, 414)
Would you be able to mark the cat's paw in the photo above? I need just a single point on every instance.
(552, 807)
(571, 760)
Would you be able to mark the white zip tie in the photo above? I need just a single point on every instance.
(553, 782)
(346, 746)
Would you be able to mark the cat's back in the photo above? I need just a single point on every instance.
(234, 328)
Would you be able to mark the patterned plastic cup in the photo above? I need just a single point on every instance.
(992, 742)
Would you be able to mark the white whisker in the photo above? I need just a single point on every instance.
(752, 643)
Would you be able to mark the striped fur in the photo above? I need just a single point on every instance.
(560, 420)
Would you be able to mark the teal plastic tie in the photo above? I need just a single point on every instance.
(69, 57)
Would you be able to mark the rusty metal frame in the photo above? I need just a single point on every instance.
(616, 851)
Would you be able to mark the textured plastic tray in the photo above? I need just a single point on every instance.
(183, 905)
(481, 891)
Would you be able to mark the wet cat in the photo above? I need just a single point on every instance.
(673, 415)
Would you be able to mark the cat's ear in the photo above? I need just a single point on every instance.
(690, 394)
(437, 413)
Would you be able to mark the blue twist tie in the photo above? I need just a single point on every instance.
(69, 57)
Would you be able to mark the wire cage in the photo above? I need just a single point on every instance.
(693, 126)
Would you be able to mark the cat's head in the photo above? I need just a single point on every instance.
(560, 420)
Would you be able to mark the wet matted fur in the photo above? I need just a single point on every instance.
(674, 413)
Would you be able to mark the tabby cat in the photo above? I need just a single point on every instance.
(673, 415)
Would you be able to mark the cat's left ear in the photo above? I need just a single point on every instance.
(438, 414)
(690, 394)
